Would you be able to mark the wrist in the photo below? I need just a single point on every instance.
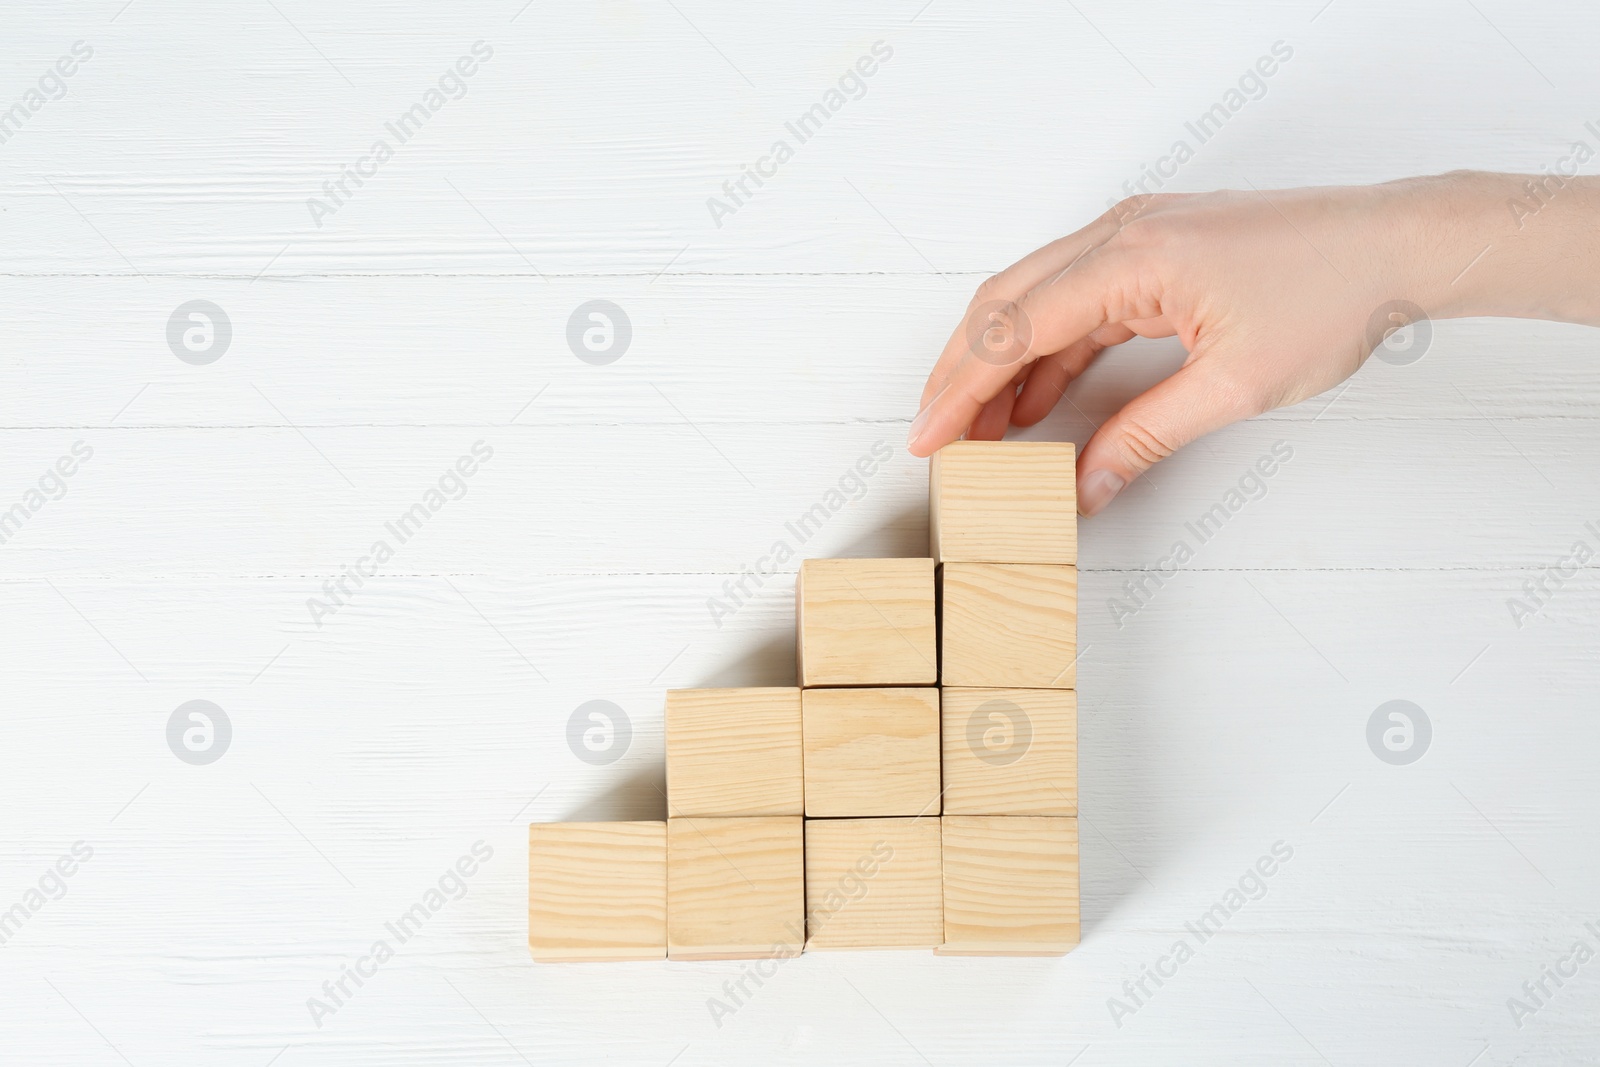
(1509, 245)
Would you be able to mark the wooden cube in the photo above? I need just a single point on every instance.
(734, 752)
(866, 622)
(1010, 751)
(873, 883)
(1010, 885)
(871, 752)
(1004, 502)
(735, 887)
(597, 891)
(1009, 625)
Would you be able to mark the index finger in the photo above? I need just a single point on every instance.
(1077, 307)
(1009, 285)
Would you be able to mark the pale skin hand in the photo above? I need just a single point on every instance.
(1273, 295)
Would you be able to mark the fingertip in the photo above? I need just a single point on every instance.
(928, 441)
(1097, 489)
(919, 425)
(1021, 418)
(945, 419)
(994, 417)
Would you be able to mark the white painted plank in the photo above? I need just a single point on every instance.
(714, 499)
(593, 138)
(769, 351)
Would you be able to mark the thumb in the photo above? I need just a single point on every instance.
(1152, 426)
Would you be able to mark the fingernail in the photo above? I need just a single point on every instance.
(920, 423)
(1098, 489)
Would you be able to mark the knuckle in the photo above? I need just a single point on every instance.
(1132, 207)
(1144, 445)
(1240, 399)
(1149, 236)
(1129, 208)
(989, 290)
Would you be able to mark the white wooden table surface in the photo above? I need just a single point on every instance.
(773, 341)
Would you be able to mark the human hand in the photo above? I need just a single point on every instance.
(1273, 294)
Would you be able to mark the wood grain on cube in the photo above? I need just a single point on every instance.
(1009, 625)
(1010, 885)
(871, 752)
(735, 887)
(1004, 502)
(597, 891)
(866, 622)
(873, 883)
(734, 752)
(1010, 751)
